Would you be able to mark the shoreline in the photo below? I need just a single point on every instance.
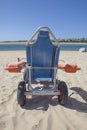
(24, 42)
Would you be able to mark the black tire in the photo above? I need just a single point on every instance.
(26, 75)
(21, 98)
(63, 97)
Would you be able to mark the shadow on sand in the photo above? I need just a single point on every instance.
(75, 104)
(42, 103)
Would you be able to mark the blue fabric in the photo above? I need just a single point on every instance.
(43, 55)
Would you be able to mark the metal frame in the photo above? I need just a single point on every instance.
(31, 41)
(42, 91)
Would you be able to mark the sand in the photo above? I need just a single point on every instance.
(44, 113)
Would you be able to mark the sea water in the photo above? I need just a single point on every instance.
(65, 46)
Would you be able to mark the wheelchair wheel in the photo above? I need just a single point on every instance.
(21, 98)
(63, 97)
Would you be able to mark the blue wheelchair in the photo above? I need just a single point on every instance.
(42, 55)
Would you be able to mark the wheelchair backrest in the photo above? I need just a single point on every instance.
(42, 54)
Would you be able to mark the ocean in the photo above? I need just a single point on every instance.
(64, 46)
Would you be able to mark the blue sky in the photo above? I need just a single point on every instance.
(20, 18)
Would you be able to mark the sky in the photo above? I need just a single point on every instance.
(20, 18)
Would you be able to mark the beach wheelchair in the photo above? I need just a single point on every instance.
(42, 55)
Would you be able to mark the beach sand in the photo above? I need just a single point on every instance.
(44, 113)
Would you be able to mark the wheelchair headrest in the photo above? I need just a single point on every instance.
(43, 34)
